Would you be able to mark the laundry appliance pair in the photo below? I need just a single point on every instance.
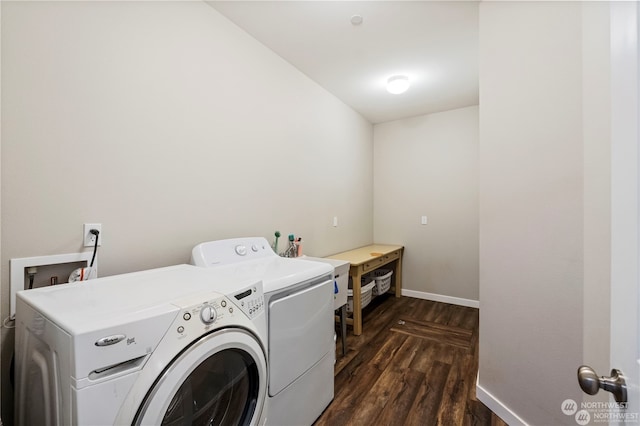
(242, 337)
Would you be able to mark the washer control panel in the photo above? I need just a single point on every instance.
(200, 315)
(252, 247)
(197, 312)
(208, 314)
(226, 252)
(250, 300)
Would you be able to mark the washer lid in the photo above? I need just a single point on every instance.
(91, 305)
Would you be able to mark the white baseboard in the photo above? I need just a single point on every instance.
(441, 298)
(498, 407)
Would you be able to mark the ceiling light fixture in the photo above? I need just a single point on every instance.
(356, 20)
(397, 84)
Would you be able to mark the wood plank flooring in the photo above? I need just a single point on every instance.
(414, 364)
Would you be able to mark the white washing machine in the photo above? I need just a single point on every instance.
(300, 323)
(158, 347)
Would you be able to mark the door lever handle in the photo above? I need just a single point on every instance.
(590, 383)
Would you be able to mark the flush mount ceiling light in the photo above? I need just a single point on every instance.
(397, 84)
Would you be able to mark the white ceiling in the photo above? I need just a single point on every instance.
(435, 43)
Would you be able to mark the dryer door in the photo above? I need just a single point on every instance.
(300, 333)
(220, 379)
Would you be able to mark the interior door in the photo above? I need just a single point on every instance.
(625, 213)
(619, 337)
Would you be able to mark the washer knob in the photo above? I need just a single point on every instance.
(241, 250)
(208, 314)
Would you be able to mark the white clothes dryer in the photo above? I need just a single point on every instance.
(300, 323)
(157, 347)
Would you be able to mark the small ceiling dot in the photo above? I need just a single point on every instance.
(356, 19)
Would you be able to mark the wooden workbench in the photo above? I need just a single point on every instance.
(366, 259)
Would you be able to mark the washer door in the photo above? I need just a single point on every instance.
(220, 379)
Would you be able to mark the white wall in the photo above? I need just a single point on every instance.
(428, 165)
(544, 204)
(170, 126)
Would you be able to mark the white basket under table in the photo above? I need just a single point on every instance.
(382, 280)
(365, 295)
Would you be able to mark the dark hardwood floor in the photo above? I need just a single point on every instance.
(414, 364)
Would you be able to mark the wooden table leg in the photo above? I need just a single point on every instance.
(343, 328)
(357, 304)
(399, 276)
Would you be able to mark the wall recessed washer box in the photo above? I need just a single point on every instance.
(19, 267)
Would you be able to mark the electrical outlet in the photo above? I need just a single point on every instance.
(89, 238)
(335, 221)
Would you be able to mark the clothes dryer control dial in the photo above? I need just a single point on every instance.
(208, 314)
